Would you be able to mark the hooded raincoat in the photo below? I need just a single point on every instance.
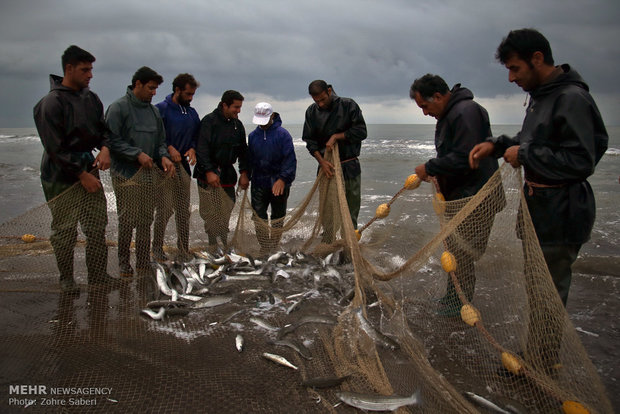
(70, 125)
(463, 124)
(562, 139)
(272, 155)
(136, 127)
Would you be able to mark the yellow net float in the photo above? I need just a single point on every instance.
(382, 211)
(439, 204)
(412, 182)
(448, 262)
(470, 315)
(29, 238)
(573, 407)
(358, 235)
(511, 363)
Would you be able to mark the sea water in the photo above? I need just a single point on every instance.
(388, 156)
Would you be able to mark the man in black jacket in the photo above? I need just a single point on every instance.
(70, 123)
(461, 124)
(221, 143)
(329, 119)
(561, 141)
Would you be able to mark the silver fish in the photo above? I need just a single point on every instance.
(239, 342)
(281, 273)
(294, 306)
(279, 359)
(371, 402)
(162, 282)
(155, 315)
(193, 298)
(263, 324)
(379, 338)
(276, 256)
(165, 303)
(178, 281)
(483, 402)
(235, 258)
(297, 347)
(304, 320)
(211, 301)
(244, 278)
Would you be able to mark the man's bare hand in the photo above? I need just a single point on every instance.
(420, 171)
(213, 179)
(145, 161)
(327, 168)
(190, 154)
(90, 183)
(168, 166)
(479, 152)
(278, 187)
(175, 155)
(102, 161)
(244, 181)
(332, 141)
(511, 156)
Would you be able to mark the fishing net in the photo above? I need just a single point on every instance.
(381, 311)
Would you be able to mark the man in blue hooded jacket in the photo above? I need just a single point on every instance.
(273, 164)
(182, 125)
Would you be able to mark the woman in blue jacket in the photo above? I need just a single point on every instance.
(273, 164)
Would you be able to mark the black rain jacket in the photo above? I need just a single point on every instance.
(344, 115)
(562, 139)
(220, 144)
(70, 125)
(463, 125)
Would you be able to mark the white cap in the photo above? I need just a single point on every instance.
(262, 113)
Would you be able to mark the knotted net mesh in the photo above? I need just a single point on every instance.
(391, 315)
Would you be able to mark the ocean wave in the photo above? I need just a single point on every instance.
(14, 139)
(613, 151)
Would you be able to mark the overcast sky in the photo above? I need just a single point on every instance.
(270, 50)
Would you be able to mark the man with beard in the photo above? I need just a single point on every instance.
(182, 125)
(562, 139)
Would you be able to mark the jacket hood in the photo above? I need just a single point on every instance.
(457, 94)
(134, 99)
(569, 76)
(56, 85)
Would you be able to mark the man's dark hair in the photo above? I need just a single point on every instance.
(184, 79)
(230, 96)
(427, 86)
(524, 43)
(145, 75)
(74, 55)
(317, 87)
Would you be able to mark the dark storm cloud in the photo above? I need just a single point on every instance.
(368, 50)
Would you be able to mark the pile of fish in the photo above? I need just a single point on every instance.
(199, 283)
(193, 285)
